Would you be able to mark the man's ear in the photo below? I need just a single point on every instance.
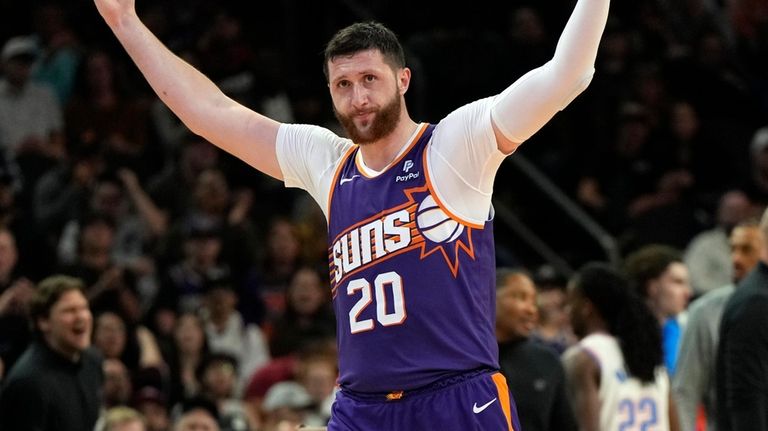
(43, 324)
(653, 288)
(403, 80)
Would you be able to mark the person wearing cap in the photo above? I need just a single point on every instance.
(31, 122)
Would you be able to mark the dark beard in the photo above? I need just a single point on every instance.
(384, 123)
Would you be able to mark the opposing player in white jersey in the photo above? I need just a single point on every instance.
(408, 205)
(616, 378)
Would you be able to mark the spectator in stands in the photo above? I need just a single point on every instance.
(55, 384)
(308, 315)
(105, 114)
(197, 414)
(118, 389)
(60, 50)
(217, 375)
(708, 255)
(16, 292)
(31, 123)
(153, 405)
(227, 332)
(189, 347)
(122, 419)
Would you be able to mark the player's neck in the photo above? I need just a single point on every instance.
(378, 155)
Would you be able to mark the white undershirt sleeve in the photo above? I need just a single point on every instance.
(526, 106)
(462, 160)
(463, 156)
(308, 157)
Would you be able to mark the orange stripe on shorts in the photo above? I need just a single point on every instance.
(503, 390)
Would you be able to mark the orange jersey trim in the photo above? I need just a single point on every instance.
(336, 176)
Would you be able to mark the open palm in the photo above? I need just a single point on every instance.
(112, 10)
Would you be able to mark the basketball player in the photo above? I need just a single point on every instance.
(616, 377)
(408, 207)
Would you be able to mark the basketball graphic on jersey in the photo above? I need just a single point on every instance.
(435, 224)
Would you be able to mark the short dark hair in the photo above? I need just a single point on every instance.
(503, 273)
(363, 36)
(48, 292)
(215, 358)
(200, 402)
(648, 263)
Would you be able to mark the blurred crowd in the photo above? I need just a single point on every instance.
(208, 281)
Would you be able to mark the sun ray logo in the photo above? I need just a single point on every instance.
(418, 225)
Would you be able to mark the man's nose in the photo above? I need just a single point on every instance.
(359, 96)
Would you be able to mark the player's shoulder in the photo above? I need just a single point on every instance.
(310, 130)
(302, 137)
(702, 306)
(477, 108)
(579, 362)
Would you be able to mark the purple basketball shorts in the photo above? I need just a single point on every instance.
(474, 401)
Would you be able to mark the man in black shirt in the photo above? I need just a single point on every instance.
(533, 371)
(742, 356)
(55, 384)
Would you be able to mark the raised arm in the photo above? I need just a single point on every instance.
(203, 108)
(526, 106)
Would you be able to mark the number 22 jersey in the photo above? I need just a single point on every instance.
(626, 403)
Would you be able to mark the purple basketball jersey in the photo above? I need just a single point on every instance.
(413, 287)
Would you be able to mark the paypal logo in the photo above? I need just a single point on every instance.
(407, 166)
(410, 176)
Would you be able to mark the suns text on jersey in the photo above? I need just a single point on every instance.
(371, 241)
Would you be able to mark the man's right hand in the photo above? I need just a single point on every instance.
(113, 10)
